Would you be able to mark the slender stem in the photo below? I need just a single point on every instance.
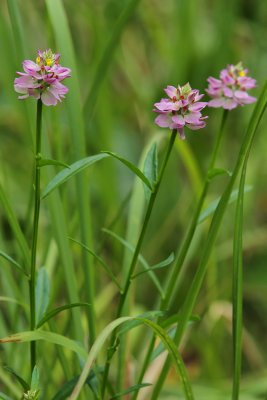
(136, 253)
(237, 282)
(177, 272)
(35, 229)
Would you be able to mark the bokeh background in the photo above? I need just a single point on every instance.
(125, 53)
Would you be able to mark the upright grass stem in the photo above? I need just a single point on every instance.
(237, 282)
(171, 281)
(136, 253)
(35, 229)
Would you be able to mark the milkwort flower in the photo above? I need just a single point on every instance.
(181, 109)
(42, 79)
(230, 90)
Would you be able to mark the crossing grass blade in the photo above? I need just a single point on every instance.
(50, 337)
(169, 344)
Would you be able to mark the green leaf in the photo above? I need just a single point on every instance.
(213, 205)
(151, 168)
(162, 264)
(132, 167)
(52, 313)
(97, 346)
(130, 390)
(21, 381)
(71, 171)
(35, 379)
(47, 161)
(13, 262)
(101, 262)
(42, 292)
(127, 326)
(212, 173)
(141, 259)
(55, 338)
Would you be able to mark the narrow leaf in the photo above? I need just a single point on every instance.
(52, 313)
(212, 173)
(35, 379)
(71, 171)
(42, 292)
(50, 337)
(132, 167)
(101, 262)
(47, 161)
(13, 262)
(18, 378)
(160, 265)
(141, 259)
(151, 168)
(130, 390)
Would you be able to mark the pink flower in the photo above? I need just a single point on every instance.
(230, 90)
(181, 109)
(42, 79)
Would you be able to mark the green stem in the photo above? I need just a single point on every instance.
(136, 253)
(35, 229)
(172, 279)
(237, 282)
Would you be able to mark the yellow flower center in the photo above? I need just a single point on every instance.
(242, 73)
(49, 61)
(38, 59)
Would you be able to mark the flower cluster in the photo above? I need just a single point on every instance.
(181, 109)
(230, 90)
(42, 79)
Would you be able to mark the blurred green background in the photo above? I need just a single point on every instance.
(123, 60)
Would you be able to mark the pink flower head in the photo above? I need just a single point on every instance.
(230, 90)
(181, 109)
(42, 79)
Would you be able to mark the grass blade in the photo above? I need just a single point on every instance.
(237, 282)
(169, 344)
(52, 313)
(13, 262)
(50, 337)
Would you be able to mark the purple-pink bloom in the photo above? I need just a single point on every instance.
(181, 108)
(42, 79)
(230, 90)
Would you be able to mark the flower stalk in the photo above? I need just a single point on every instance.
(136, 254)
(37, 202)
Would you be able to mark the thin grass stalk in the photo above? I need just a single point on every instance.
(194, 289)
(171, 280)
(237, 283)
(136, 253)
(37, 202)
